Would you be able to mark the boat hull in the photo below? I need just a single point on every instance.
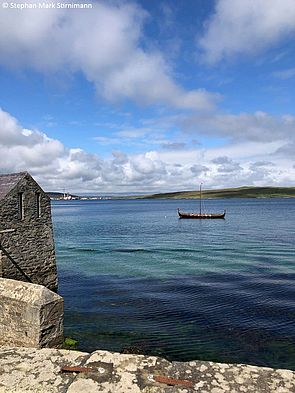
(200, 216)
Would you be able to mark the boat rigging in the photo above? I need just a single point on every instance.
(200, 215)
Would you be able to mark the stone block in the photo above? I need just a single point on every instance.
(30, 315)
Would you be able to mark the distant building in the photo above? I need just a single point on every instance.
(26, 233)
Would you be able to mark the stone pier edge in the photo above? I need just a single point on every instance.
(41, 370)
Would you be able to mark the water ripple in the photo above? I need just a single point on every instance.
(180, 289)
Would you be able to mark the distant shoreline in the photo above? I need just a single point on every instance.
(240, 192)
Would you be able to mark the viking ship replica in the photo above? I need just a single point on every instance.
(200, 215)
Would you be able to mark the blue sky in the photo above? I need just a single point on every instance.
(149, 96)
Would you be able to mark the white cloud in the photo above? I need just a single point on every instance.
(199, 170)
(104, 43)
(11, 134)
(227, 165)
(21, 148)
(257, 127)
(134, 133)
(246, 27)
(244, 151)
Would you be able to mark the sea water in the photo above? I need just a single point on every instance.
(137, 278)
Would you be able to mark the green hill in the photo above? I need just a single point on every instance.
(241, 192)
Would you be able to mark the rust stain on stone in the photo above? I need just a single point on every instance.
(173, 381)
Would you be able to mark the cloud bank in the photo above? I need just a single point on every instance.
(57, 167)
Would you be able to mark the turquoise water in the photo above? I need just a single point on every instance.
(137, 278)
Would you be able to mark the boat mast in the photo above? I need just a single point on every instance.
(200, 198)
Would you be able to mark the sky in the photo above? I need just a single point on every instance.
(148, 96)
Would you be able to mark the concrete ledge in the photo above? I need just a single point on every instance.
(30, 315)
(33, 370)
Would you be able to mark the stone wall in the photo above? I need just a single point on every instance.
(31, 244)
(30, 315)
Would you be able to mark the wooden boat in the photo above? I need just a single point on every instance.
(200, 215)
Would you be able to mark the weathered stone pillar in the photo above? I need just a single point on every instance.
(30, 315)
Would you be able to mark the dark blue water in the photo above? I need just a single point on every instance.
(135, 277)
